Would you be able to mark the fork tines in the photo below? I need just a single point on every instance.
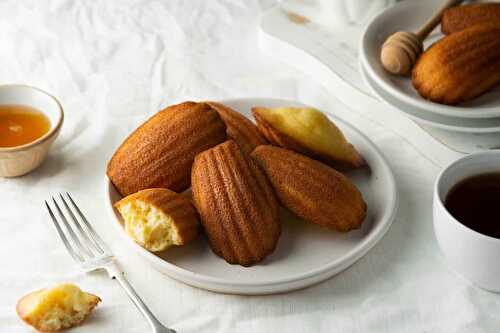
(78, 236)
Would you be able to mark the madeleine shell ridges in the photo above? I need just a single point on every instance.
(236, 203)
(311, 189)
(308, 131)
(462, 17)
(461, 66)
(160, 152)
(239, 128)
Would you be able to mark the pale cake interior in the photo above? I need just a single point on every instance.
(149, 226)
(309, 127)
(60, 307)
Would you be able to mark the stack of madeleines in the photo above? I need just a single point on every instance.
(239, 174)
(466, 63)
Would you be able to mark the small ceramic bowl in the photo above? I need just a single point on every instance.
(470, 253)
(19, 160)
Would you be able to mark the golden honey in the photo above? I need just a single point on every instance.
(21, 124)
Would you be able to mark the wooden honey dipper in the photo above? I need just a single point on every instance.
(401, 50)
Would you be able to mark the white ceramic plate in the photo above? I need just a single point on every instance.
(408, 16)
(456, 124)
(306, 254)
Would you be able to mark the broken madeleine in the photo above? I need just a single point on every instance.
(58, 308)
(307, 131)
(158, 218)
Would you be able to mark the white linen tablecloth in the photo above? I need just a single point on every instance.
(113, 64)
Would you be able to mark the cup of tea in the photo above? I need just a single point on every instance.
(30, 120)
(466, 213)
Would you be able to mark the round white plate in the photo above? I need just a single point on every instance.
(408, 16)
(455, 124)
(306, 254)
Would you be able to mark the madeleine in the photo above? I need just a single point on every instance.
(309, 132)
(461, 66)
(160, 153)
(239, 128)
(462, 17)
(312, 190)
(237, 205)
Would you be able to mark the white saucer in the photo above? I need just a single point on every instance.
(306, 254)
(408, 16)
(455, 124)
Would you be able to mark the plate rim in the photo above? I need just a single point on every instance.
(370, 82)
(425, 105)
(350, 257)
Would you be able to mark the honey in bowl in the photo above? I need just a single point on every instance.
(21, 124)
(475, 202)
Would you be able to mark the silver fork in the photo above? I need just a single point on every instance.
(90, 252)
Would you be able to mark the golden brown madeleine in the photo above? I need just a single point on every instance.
(158, 218)
(237, 205)
(462, 17)
(161, 151)
(311, 189)
(307, 131)
(57, 308)
(239, 128)
(461, 66)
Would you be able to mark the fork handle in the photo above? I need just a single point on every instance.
(116, 273)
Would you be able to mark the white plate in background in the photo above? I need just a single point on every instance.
(409, 16)
(455, 124)
(306, 254)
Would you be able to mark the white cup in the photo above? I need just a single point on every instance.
(337, 12)
(471, 254)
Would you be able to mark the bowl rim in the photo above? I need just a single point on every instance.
(417, 101)
(438, 199)
(345, 261)
(53, 129)
(420, 118)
